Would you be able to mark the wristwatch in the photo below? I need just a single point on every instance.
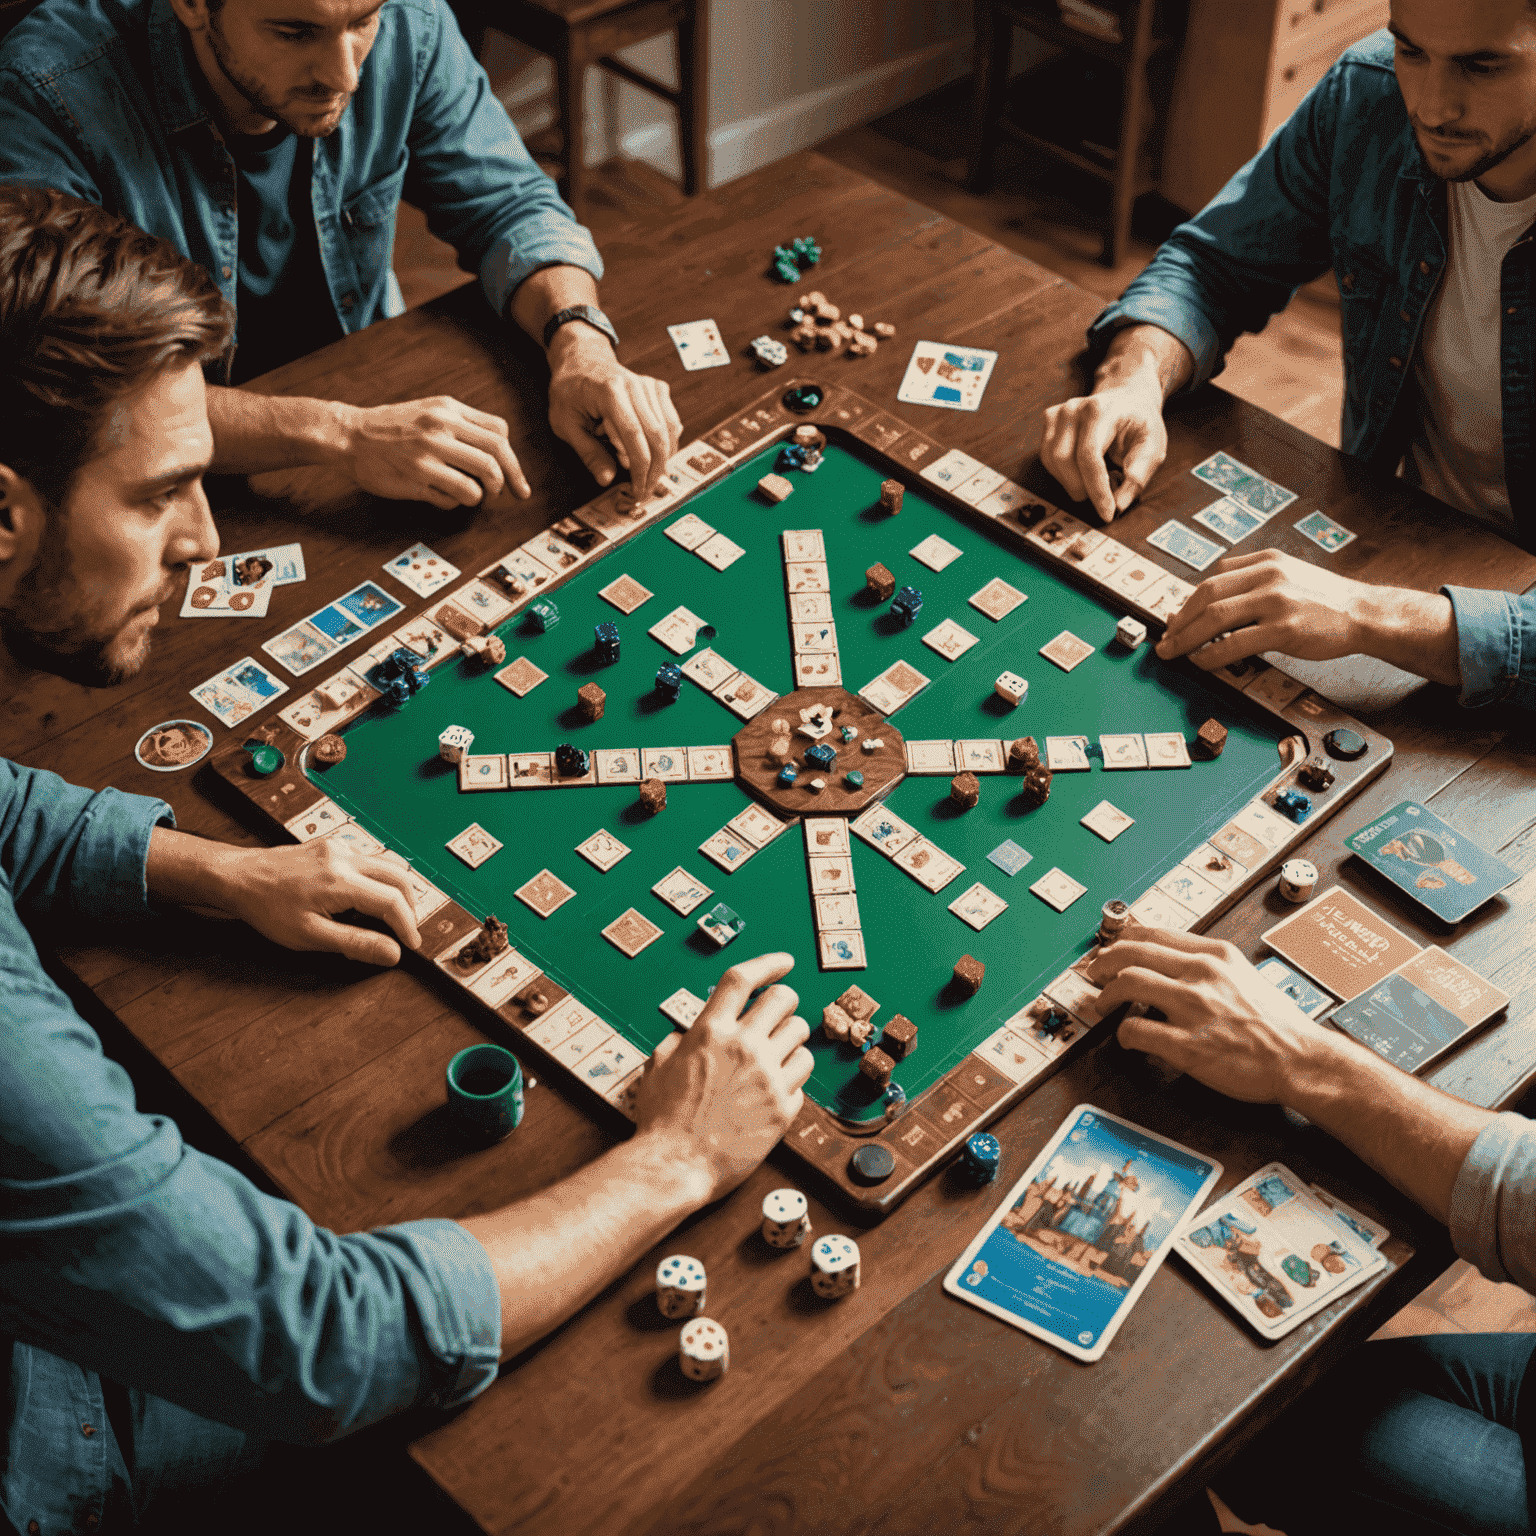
(588, 312)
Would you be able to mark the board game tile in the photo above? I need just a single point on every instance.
(1135, 576)
(1067, 754)
(825, 834)
(818, 669)
(484, 602)
(835, 912)
(997, 599)
(1056, 531)
(617, 765)
(521, 677)
(682, 1007)
(1067, 651)
(546, 892)
(474, 845)
(682, 891)
(951, 469)
(626, 594)
(976, 906)
(755, 826)
(951, 640)
(1195, 894)
(745, 696)
(630, 932)
(669, 764)
(525, 1008)
(560, 1022)
(1165, 597)
(814, 1137)
(313, 716)
(841, 950)
(444, 928)
(690, 530)
(818, 636)
(1122, 751)
(830, 874)
(482, 771)
(623, 1097)
(322, 817)
(727, 850)
(711, 764)
(1167, 749)
(1029, 1023)
(1269, 827)
(881, 431)
(358, 839)
(554, 551)
(1104, 559)
(425, 897)
(1004, 498)
(1215, 867)
(720, 552)
(1011, 1054)
(697, 459)
(936, 552)
(603, 850)
(916, 1137)
(1275, 689)
(979, 486)
(1155, 909)
(883, 829)
(979, 1081)
(981, 757)
(928, 864)
(509, 972)
(709, 669)
(606, 1067)
(1074, 992)
(946, 1108)
(930, 757)
(803, 544)
(587, 1039)
(1056, 888)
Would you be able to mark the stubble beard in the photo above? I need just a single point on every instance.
(1495, 157)
(255, 93)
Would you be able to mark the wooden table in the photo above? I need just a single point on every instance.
(897, 1409)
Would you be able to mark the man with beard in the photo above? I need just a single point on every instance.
(1411, 171)
(162, 1320)
(271, 142)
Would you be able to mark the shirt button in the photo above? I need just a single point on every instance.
(87, 1430)
(1407, 318)
(1347, 281)
(1396, 362)
(1510, 310)
(33, 1528)
(1425, 268)
(225, 271)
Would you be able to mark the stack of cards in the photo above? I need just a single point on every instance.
(1277, 1252)
(1080, 1236)
(949, 376)
(353, 615)
(240, 586)
(1442, 869)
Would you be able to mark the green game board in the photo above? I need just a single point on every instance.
(393, 783)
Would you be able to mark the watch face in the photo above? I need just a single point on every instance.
(593, 316)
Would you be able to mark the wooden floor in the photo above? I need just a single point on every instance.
(1292, 368)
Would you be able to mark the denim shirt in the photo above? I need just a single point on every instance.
(127, 1255)
(99, 98)
(1343, 185)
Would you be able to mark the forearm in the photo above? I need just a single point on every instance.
(253, 433)
(1412, 630)
(1408, 1131)
(552, 1253)
(1145, 356)
(181, 870)
(548, 291)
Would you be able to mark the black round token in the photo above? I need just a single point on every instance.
(871, 1164)
(800, 399)
(1345, 744)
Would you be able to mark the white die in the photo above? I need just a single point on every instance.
(1011, 688)
(834, 1266)
(1130, 632)
(786, 1218)
(680, 1286)
(454, 743)
(703, 1350)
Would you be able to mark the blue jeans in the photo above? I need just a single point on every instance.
(1412, 1436)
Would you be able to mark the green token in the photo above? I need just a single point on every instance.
(855, 779)
(266, 760)
(803, 398)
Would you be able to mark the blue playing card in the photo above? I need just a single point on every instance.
(1401, 1022)
(1009, 857)
(1440, 867)
(1186, 545)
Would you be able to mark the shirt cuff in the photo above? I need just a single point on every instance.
(460, 1309)
(107, 872)
(1488, 637)
(518, 254)
(1167, 313)
(1495, 1195)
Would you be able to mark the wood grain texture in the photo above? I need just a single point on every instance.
(896, 1409)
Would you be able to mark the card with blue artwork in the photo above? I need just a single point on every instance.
(1079, 1237)
(1307, 995)
(1437, 865)
(952, 377)
(1275, 1253)
(1194, 549)
(369, 604)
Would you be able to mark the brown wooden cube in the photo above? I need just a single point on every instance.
(877, 1066)
(900, 1037)
(858, 1004)
(891, 494)
(1036, 788)
(653, 796)
(965, 790)
(969, 974)
(1023, 754)
(1210, 739)
(592, 701)
(881, 582)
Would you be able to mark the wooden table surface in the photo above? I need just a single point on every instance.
(896, 1409)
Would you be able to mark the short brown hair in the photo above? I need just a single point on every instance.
(91, 309)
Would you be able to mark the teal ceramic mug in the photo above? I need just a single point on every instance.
(485, 1091)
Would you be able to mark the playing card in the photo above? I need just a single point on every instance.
(631, 932)
(1066, 650)
(720, 552)
(474, 845)
(1077, 1240)
(978, 906)
(1224, 472)
(521, 676)
(603, 850)
(1341, 944)
(1058, 889)
(1009, 857)
(421, 570)
(997, 599)
(1328, 535)
(1263, 496)
(953, 377)
(1347, 1216)
(1229, 519)
(236, 693)
(1185, 544)
(211, 595)
(699, 345)
(1107, 821)
(1454, 986)
(626, 594)
(1067, 754)
(951, 641)
(681, 891)
(935, 553)
(1439, 866)
(279, 565)
(545, 892)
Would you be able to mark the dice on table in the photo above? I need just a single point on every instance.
(786, 1218)
(572, 762)
(592, 701)
(543, 614)
(980, 1157)
(703, 1350)
(834, 1266)
(775, 487)
(721, 924)
(822, 755)
(787, 776)
(770, 353)
(1294, 803)
(1011, 688)
(669, 680)
(680, 1286)
(907, 604)
(1130, 632)
(454, 742)
(605, 637)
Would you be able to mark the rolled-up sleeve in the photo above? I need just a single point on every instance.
(1496, 642)
(1493, 1202)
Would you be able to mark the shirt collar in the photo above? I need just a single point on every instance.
(173, 64)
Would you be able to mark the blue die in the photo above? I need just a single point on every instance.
(791, 456)
(1293, 803)
(606, 637)
(907, 604)
(981, 1157)
(787, 775)
(571, 761)
(821, 755)
(543, 615)
(669, 680)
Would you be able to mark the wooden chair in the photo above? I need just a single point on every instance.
(1125, 171)
(577, 33)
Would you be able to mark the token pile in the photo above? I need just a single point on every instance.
(819, 323)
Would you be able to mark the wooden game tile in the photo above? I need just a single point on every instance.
(710, 764)
(1154, 909)
(841, 950)
(1275, 690)
(1191, 891)
(811, 608)
(630, 932)
(1135, 576)
(981, 1079)
(883, 829)
(1240, 845)
(690, 531)
(554, 551)
(525, 565)
(482, 771)
(474, 845)
(626, 594)
(930, 757)
(594, 1033)
(951, 640)
(1010, 1053)
(1268, 827)
(669, 764)
(1056, 532)
(602, 850)
(484, 602)
(833, 913)
(936, 552)
(842, 408)
(981, 757)
(947, 1109)
(709, 669)
(825, 835)
(358, 839)
(605, 1068)
(329, 705)
(830, 875)
(951, 469)
(546, 893)
(322, 817)
(1215, 867)
(727, 850)
(817, 1140)
(682, 1007)
(1104, 559)
(803, 544)
(756, 826)
(928, 864)
(1074, 992)
(530, 770)
(509, 972)
(678, 631)
(914, 450)
(617, 765)
(582, 536)
(613, 514)
(697, 459)
(1167, 749)
(1107, 821)
(1067, 650)
(807, 576)
(979, 486)
(523, 1011)
(1122, 751)
(521, 677)
(425, 898)
(820, 635)
(560, 1022)
(818, 669)
(914, 1137)
(997, 599)
(1058, 889)
(681, 891)
(720, 552)
(881, 431)
(1030, 1023)
(1004, 499)
(444, 929)
(1165, 597)
(977, 906)
(745, 696)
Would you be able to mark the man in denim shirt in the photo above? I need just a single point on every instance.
(271, 142)
(161, 1319)
(1411, 171)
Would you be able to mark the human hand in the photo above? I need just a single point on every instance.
(1123, 420)
(438, 450)
(1225, 1025)
(590, 390)
(292, 896)
(727, 1090)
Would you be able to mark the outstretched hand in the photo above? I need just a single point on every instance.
(1123, 424)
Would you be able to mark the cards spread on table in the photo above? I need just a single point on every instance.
(1441, 868)
(1415, 1015)
(699, 345)
(1080, 1236)
(1307, 995)
(948, 376)
(1328, 535)
(351, 616)
(1185, 544)
(1229, 519)
(1277, 1253)
(1340, 943)
(1244, 485)
(421, 570)
(211, 595)
(239, 691)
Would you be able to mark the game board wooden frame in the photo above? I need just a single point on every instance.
(925, 1133)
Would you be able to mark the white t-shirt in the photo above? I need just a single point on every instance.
(1457, 452)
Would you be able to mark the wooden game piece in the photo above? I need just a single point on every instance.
(834, 1266)
(329, 749)
(854, 779)
(836, 1023)
(900, 1037)
(1036, 787)
(860, 1031)
(981, 1157)
(653, 796)
(1011, 688)
(858, 1004)
(488, 650)
(779, 748)
(489, 942)
(965, 790)
(816, 786)
(786, 1218)
(1113, 920)
(883, 329)
(1210, 739)
(969, 974)
(1316, 774)
(591, 701)
(811, 437)
(787, 776)
(535, 1003)
(877, 1066)
(775, 488)
(892, 493)
(1023, 754)
(454, 742)
(703, 1350)
(1298, 880)
(873, 1163)
(721, 924)
(1130, 632)
(680, 1286)
(856, 321)
(881, 582)
(458, 623)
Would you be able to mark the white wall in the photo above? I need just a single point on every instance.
(783, 74)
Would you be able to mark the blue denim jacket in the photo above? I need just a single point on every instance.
(98, 98)
(1343, 185)
(127, 1255)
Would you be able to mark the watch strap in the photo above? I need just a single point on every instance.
(588, 312)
